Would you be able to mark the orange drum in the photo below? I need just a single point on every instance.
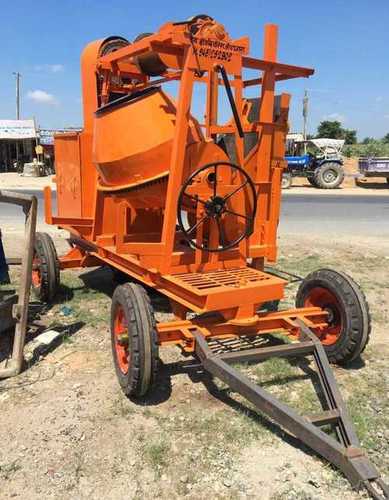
(133, 135)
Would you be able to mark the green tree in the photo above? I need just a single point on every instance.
(367, 140)
(350, 136)
(330, 129)
(334, 130)
(385, 139)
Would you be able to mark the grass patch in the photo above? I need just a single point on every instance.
(155, 451)
(369, 410)
(76, 300)
(9, 469)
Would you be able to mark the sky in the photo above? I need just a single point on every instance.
(346, 42)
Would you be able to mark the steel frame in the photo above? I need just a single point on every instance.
(345, 452)
(163, 255)
(158, 263)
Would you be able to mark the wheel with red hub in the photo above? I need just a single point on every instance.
(133, 340)
(349, 322)
(45, 268)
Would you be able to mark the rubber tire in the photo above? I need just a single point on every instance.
(143, 348)
(311, 181)
(318, 175)
(141, 36)
(118, 277)
(49, 268)
(286, 181)
(356, 318)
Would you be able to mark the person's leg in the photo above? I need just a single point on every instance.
(4, 276)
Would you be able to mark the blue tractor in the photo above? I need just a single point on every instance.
(319, 160)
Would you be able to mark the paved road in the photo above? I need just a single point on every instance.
(352, 215)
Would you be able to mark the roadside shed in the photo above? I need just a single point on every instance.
(17, 143)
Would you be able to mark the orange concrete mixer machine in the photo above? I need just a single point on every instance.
(190, 208)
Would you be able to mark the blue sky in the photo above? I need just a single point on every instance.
(347, 42)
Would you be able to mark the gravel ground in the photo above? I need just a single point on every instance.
(68, 432)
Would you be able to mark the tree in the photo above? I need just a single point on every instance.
(366, 140)
(334, 130)
(385, 139)
(350, 136)
(330, 129)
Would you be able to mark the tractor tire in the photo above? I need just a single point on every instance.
(134, 340)
(349, 321)
(311, 181)
(286, 181)
(45, 278)
(330, 175)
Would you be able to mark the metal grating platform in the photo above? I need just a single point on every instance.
(222, 289)
(235, 278)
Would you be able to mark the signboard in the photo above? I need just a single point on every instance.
(217, 50)
(17, 129)
(47, 137)
(210, 51)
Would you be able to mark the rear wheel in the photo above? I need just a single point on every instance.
(311, 181)
(349, 322)
(45, 278)
(286, 181)
(329, 175)
(133, 340)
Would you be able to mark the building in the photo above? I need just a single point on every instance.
(18, 139)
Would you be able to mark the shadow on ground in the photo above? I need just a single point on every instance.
(105, 280)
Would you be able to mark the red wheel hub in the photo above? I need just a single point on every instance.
(120, 331)
(36, 272)
(325, 299)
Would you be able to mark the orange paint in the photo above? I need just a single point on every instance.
(119, 180)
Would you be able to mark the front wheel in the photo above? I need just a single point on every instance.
(286, 181)
(133, 340)
(329, 175)
(349, 322)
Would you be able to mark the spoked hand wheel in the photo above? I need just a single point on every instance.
(216, 207)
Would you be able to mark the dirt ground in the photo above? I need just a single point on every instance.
(67, 431)
(13, 180)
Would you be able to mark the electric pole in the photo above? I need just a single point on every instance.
(305, 116)
(17, 76)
